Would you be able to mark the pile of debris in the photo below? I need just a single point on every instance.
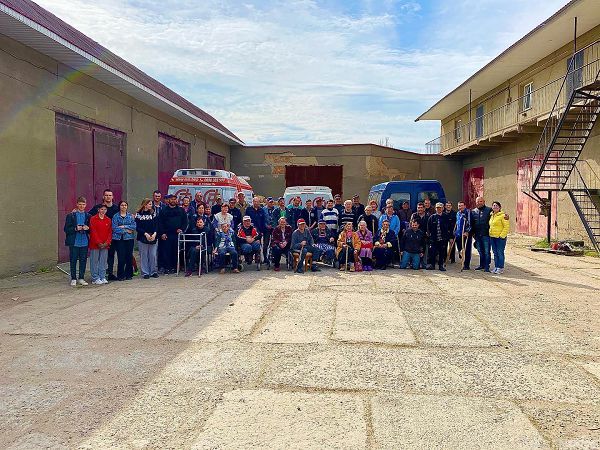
(567, 248)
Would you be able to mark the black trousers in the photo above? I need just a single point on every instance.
(110, 261)
(438, 251)
(124, 258)
(277, 252)
(77, 254)
(169, 253)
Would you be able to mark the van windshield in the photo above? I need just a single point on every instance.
(431, 195)
(399, 198)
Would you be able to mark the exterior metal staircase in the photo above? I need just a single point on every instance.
(555, 164)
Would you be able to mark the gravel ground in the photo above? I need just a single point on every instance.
(394, 359)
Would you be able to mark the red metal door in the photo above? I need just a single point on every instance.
(529, 220)
(330, 176)
(109, 149)
(215, 161)
(74, 171)
(173, 154)
(472, 185)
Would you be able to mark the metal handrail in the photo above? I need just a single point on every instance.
(512, 113)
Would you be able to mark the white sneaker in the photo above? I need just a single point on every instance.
(82, 282)
(104, 281)
(500, 271)
(97, 282)
(73, 283)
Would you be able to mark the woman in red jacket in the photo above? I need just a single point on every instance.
(100, 238)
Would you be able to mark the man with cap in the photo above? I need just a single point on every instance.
(338, 204)
(357, 206)
(249, 241)
(438, 230)
(293, 212)
(235, 212)
(319, 207)
(216, 208)
(241, 204)
(303, 243)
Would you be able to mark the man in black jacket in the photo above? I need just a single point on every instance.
(421, 217)
(438, 230)
(480, 227)
(111, 209)
(449, 211)
(193, 250)
(172, 221)
(412, 247)
(237, 215)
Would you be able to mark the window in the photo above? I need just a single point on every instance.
(457, 130)
(575, 73)
(399, 198)
(479, 121)
(431, 195)
(527, 96)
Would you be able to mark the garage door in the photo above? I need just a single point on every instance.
(173, 154)
(89, 159)
(331, 176)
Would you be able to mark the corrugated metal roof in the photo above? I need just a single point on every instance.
(49, 21)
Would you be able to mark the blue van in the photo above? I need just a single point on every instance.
(413, 191)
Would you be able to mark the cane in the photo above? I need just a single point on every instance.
(462, 250)
(347, 251)
(451, 246)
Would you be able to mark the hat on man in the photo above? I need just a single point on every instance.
(247, 218)
(269, 199)
(280, 198)
(337, 196)
(232, 200)
(300, 221)
(439, 205)
(355, 196)
(322, 221)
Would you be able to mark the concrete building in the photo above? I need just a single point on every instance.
(75, 119)
(493, 122)
(347, 168)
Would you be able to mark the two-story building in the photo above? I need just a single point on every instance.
(506, 121)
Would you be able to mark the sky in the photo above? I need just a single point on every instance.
(305, 71)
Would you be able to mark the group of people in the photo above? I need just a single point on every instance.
(348, 234)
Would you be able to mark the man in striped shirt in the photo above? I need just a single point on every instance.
(330, 216)
(347, 215)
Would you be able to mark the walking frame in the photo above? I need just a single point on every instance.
(194, 239)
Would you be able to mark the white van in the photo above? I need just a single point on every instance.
(307, 193)
(210, 182)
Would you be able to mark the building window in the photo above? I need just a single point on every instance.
(479, 121)
(527, 96)
(457, 130)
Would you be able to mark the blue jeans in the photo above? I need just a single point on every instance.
(77, 254)
(483, 247)
(316, 254)
(498, 246)
(250, 249)
(410, 258)
(232, 252)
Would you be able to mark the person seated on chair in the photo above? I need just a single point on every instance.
(348, 248)
(222, 217)
(249, 241)
(412, 247)
(281, 239)
(324, 240)
(383, 248)
(366, 245)
(193, 250)
(302, 243)
(224, 243)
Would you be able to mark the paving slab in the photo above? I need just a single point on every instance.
(231, 315)
(371, 318)
(568, 426)
(299, 318)
(474, 372)
(439, 322)
(154, 318)
(425, 422)
(285, 420)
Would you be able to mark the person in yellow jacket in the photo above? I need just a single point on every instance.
(348, 242)
(499, 227)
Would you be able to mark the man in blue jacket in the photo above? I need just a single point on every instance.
(463, 235)
(259, 219)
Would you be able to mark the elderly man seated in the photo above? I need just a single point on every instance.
(224, 245)
(324, 240)
(281, 239)
(384, 245)
(302, 243)
(249, 242)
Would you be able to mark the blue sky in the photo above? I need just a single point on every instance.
(305, 71)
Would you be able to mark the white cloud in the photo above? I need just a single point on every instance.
(296, 72)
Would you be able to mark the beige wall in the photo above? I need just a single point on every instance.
(363, 166)
(32, 88)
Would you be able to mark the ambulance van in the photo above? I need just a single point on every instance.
(211, 183)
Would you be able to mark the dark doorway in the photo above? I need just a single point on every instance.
(331, 176)
(215, 161)
(173, 154)
(89, 159)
